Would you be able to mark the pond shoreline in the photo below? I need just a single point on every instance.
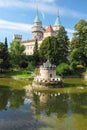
(25, 78)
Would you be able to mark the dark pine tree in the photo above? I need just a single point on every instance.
(63, 42)
(49, 49)
(6, 43)
(36, 53)
(6, 62)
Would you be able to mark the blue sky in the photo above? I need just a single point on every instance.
(17, 16)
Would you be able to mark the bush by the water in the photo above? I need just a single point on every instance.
(63, 69)
(77, 68)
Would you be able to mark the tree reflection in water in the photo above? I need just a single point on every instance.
(34, 109)
(11, 98)
(59, 103)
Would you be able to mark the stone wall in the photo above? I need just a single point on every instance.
(46, 73)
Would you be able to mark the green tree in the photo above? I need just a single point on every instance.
(56, 48)
(78, 44)
(7, 59)
(63, 69)
(47, 50)
(36, 53)
(6, 43)
(17, 53)
(63, 45)
(4, 58)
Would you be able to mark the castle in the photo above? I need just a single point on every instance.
(39, 33)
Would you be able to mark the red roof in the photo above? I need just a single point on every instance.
(49, 29)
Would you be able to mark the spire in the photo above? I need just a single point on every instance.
(57, 22)
(37, 20)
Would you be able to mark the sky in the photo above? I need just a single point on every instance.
(17, 16)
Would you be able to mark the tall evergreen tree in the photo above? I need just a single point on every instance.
(7, 61)
(4, 58)
(6, 43)
(62, 41)
(48, 48)
(36, 53)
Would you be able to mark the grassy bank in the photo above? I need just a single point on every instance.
(23, 73)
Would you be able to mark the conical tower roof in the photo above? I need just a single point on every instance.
(37, 20)
(57, 22)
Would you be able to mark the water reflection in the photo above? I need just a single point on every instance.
(50, 103)
(11, 98)
(64, 108)
(15, 110)
(60, 103)
(34, 110)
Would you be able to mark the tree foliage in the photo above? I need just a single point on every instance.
(36, 53)
(47, 49)
(63, 69)
(6, 43)
(4, 58)
(78, 45)
(63, 45)
(17, 53)
(55, 48)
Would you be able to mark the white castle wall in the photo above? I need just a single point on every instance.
(29, 46)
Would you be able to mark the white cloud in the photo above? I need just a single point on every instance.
(15, 26)
(69, 30)
(47, 6)
(43, 1)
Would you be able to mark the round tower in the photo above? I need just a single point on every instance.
(47, 71)
(47, 76)
(37, 29)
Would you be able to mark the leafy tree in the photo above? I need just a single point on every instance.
(63, 69)
(47, 50)
(36, 53)
(63, 45)
(78, 45)
(56, 48)
(17, 53)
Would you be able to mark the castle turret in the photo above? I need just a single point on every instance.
(47, 71)
(49, 32)
(17, 37)
(57, 24)
(47, 76)
(37, 29)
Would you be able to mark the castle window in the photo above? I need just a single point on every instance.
(50, 75)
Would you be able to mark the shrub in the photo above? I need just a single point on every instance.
(24, 65)
(77, 68)
(73, 65)
(63, 69)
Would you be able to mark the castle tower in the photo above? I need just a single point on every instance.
(37, 29)
(47, 71)
(17, 37)
(49, 32)
(57, 23)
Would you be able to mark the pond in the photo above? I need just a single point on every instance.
(54, 109)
